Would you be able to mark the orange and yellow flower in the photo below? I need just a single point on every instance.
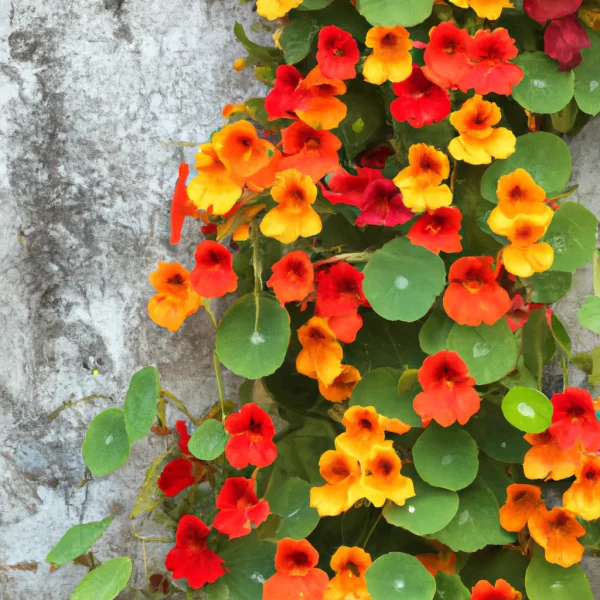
(485, 9)
(382, 479)
(363, 430)
(294, 216)
(275, 9)
(522, 502)
(390, 59)
(479, 140)
(420, 182)
(545, 459)
(583, 497)
(318, 106)
(321, 354)
(342, 473)
(342, 386)
(526, 255)
(557, 531)
(349, 583)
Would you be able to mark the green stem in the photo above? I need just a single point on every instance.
(178, 404)
(72, 403)
(351, 257)
(364, 544)
(219, 376)
(256, 264)
(211, 316)
(142, 538)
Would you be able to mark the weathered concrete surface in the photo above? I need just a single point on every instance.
(89, 92)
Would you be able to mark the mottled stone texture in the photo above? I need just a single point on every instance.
(91, 91)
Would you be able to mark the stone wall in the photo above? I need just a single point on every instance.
(91, 94)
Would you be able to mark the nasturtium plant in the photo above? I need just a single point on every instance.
(389, 224)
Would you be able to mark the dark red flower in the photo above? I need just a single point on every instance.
(181, 205)
(490, 71)
(519, 312)
(239, 508)
(574, 419)
(345, 327)
(382, 205)
(375, 158)
(184, 436)
(564, 39)
(420, 102)
(293, 277)
(213, 275)
(337, 53)
(283, 100)
(446, 55)
(191, 559)
(339, 290)
(438, 230)
(251, 442)
(349, 189)
(176, 476)
(544, 10)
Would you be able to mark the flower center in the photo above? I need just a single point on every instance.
(176, 279)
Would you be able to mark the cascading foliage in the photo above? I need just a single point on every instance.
(395, 219)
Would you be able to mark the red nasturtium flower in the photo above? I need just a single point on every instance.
(176, 476)
(544, 10)
(213, 275)
(502, 590)
(564, 39)
(420, 101)
(339, 290)
(438, 230)
(297, 577)
(375, 158)
(181, 205)
(293, 277)
(522, 501)
(251, 442)
(448, 394)
(345, 327)
(350, 566)
(184, 436)
(474, 296)
(312, 152)
(446, 55)
(282, 101)
(490, 70)
(239, 508)
(191, 559)
(574, 419)
(337, 53)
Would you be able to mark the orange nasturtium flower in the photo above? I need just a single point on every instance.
(479, 141)
(390, 59)
(215, 187)
(349, 583)
(394, 425)
(321, 354)
(522, 502)
(342, 386)
(420, 182)
(175, 300)
(444, 562)
(275, 9)
(296, 577)
(485, 9)
(557, 531)
(583, 497)
(484, 590)
(383, 480)
(293, 277)
(474, 296)
(342, 474)
(294, 216)
(448, 394)
(213, 276)
(241, 150)
(546, 460)
(363, 430)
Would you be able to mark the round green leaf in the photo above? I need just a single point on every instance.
(140, 403)
(496, 436)
(477, 522)
(399, 576)
(450, 587)
(402, 281)
(389, 13)
(545, 156)
(572, 235)
(544, 89)
(587, 78)
(489, 351)
(379, 389)
(314, 4)
(105, 582)
(430, 510)
(106, 445)
(434, 333)
(208, 441)
(446, 457)
(589, 314)
(549, 287)
(77, 541)
(545, 581)
(253, 336)
(527, 409)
